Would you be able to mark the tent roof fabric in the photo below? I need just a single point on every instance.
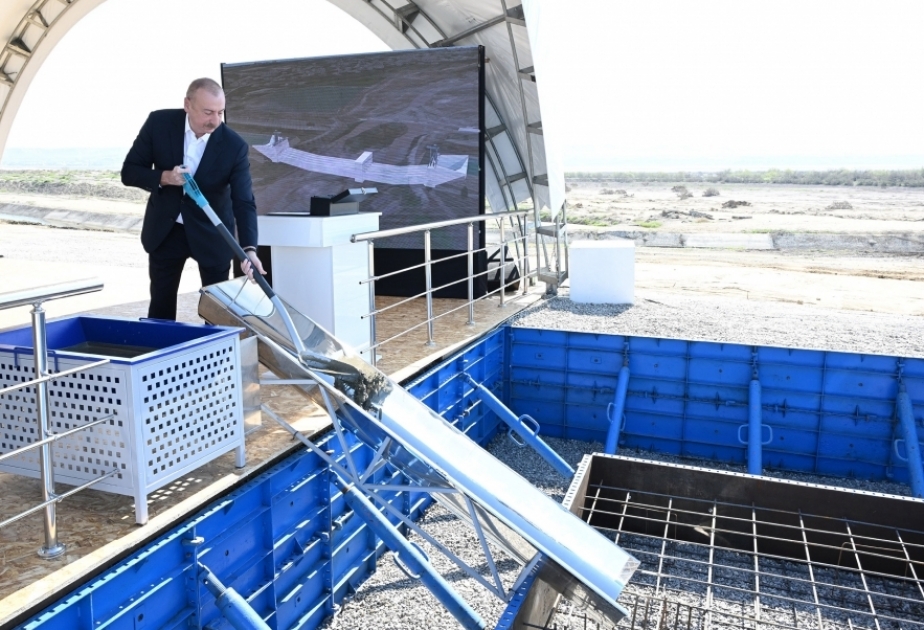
(516, 165)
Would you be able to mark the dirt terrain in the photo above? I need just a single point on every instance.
(822, 245)
(766, 208)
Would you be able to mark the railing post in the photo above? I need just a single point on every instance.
(371, 266)
(471, 274)
(52, 548)
(429, 273)
(502, 264)
(525, 261)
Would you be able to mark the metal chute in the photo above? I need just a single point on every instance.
(501, 506)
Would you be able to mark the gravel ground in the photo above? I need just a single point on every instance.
(735, 321)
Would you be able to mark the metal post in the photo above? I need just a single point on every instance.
(52, 548)
(471, 274)
(371, 264)
(755, 430)
(525, 426)
(410, 559)
(525, 262)
(234, 608)
(618, 407)
(502, 265)
(429, 272)
(912, 444)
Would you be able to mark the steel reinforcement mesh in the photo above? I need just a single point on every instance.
(718, 563)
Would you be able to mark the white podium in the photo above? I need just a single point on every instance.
(318, 270)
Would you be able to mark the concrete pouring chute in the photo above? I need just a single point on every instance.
(432, 454)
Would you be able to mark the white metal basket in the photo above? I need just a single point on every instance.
(174, 409)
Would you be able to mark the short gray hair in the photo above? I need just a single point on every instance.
(209, 85)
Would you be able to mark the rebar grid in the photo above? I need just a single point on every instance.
(712, 564)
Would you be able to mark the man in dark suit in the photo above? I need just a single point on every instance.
(194, 140)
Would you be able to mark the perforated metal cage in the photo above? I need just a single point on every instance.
(172, 411)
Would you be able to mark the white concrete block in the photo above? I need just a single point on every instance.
(602, 272)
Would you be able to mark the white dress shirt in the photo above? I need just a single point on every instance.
(193, 148)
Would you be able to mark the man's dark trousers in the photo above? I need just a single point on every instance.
(165, 268)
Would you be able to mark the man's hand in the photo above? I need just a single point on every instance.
(253, 262)
(174, 177)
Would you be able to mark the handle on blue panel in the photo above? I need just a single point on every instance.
(768, 427)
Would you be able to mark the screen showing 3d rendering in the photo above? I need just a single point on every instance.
(406, 123)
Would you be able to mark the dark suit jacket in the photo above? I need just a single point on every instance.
(223, 177)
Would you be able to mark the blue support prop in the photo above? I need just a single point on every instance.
(519, 425)
(410, 559)
(912, 446)
(615, 411)
(755, 425)
(233, 607)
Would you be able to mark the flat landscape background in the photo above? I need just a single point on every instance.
(858, 248)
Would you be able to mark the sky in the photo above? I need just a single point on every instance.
(654, 85)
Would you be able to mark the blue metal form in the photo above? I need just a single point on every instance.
(909, 431)
(274, 541)
(443, 388)
(233, 607)
(829, 413)
(615, 412)
(524, 426)
(755, 429)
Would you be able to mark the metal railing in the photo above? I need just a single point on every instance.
(45, 438)
(518, 244)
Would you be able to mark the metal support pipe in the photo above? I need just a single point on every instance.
(372, 332)
(410, 559)
(37, 295)
(502, 265)
(755, 430)
(52, 548)
(525, 262)
(232, 605)
(518, 425)
(616, 409)
(51, 377)
(54, 437)
(912, 445)
(428, 269)
(471, 274)
(58, 498)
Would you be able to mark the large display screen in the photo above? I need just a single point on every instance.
(407, 123)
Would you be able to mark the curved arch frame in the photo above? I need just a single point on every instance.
(40, 25)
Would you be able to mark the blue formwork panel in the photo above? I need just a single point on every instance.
(830, 413)
(443, 389)
(272, 540)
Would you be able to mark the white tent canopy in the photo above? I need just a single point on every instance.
(517, 166)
